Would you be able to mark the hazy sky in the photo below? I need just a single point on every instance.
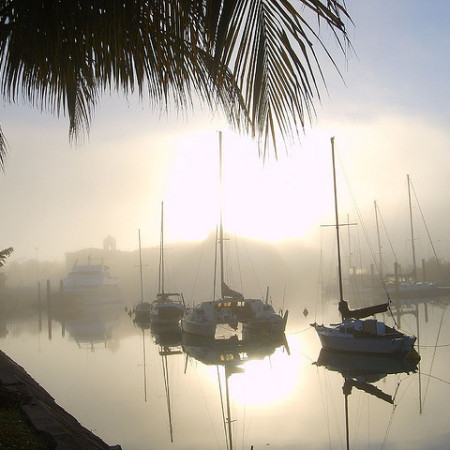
(389, 118)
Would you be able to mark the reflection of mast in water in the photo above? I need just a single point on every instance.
(230, 353)
(165, 352)
(168, 338)
(360, 371)
(145, 365)
(230, 369)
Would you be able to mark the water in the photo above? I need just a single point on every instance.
(131, 388)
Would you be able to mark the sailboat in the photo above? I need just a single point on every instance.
(255, 316)
(142, 309)
(168, 307)
(407, 287)
(352, 334)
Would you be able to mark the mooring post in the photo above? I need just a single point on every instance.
(39, 306)
(49, 311)
(62, 305)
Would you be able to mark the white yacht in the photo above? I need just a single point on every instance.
(92, 283)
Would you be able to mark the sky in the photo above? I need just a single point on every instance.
(389, 116)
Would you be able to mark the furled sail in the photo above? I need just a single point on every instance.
(360, 313)
(228, 292)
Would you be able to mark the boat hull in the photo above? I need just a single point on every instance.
(197, 326)
(266, 326)
(198, 329)
(166, 313)
(142, 312)
(334, 339)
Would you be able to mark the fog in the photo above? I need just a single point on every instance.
(389, 119)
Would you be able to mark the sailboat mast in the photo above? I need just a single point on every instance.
(341, 294)
(140, 266)
(380, 269)
(161, 253)
(412, 230)
(221, 217)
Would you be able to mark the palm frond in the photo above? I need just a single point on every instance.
(4, 254)
(269, 46)
(253, 58)
(3, 149)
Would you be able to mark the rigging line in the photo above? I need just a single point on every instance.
(426, 227)
(436, 378)
(434, 354)
(215, 264)
(319, 292)
(434, 346)
(389, 426)
(200, 384)
(359, 278)
(372, 252)
(222, 408)
(167, 388)
(324, 405)
(387, 235)
(239, 261)
(394, 407)
(358, 212)
(291, 333)
(202, 248)
(252, 267)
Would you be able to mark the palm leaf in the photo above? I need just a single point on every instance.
(4, 254)
(3, 149)
(252, 58)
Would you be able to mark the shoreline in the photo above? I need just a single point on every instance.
(55, 425)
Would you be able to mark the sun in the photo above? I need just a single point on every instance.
(268, 200)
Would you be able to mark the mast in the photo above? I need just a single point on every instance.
(140, 266)
(412, 231)
(380, 269)
(341, 293)
(222, 281)
(161, 253)
(165, 366)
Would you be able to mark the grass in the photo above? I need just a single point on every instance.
(16, 432)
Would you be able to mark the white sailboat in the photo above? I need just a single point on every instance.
(408, 287)
(352, 334)
(257, 317)
(168, 307)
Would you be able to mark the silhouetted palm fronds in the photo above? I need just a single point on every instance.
(4, 254)
(253, 58)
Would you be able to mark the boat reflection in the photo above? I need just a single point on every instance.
(168, 339)
(362, 371)
(89, 325)
(230, 353)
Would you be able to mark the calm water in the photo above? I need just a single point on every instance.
(157, 392)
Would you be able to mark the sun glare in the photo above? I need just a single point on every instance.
(268, 200)
(265, 382)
